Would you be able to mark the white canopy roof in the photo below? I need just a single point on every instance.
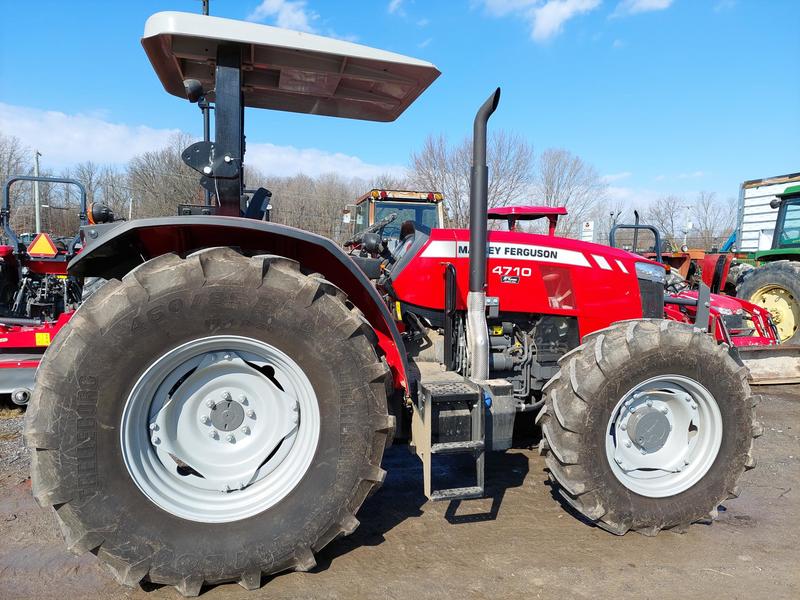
(287, 70)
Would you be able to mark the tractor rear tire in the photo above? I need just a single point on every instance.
(76, 422)
(776, 287)
(580, 427)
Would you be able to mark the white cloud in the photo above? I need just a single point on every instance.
(68, 139)
(395, 7)
(616, 176)
(288, 160)
(549, 19)
(618, 44)
(723, 5)
(423, 22)
(546, 17)
(65, 139)
(425, 43)
(633, 7)
(291, 14)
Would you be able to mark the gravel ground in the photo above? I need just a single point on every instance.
(517, 543)
(14, 456)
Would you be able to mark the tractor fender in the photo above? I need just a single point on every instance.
(112, 251)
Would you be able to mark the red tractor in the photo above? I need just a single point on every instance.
(37, 296)
(219, 409)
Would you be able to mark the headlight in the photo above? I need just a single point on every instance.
(651, 272)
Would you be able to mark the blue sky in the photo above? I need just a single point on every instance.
(661, 96)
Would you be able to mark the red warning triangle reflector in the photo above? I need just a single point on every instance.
(42, 247)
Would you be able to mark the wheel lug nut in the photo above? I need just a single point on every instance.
(627, 444)
(210, 403)
(153, 427)
(227, 357)
(213, 435)
(230, 438)
(649, 403)
(156, 440)
(251, 413)
(246, 430)
(226, 395)
(694, 406)
(242, 399)
(623, 427)
(204, 419)
(664, 410)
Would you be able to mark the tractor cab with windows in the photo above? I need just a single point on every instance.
(423, 209)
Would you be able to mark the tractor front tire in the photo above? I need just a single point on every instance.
(648, 426)
(776, 287)
(101, 454)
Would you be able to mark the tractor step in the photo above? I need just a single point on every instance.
(447, 421)
(464, 493)
(457, 447)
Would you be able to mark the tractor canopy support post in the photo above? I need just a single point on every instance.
(229, 126)
(477, 329)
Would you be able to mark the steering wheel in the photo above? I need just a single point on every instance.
(374, 228)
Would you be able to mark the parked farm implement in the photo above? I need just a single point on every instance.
(698, 291)
(219, 409)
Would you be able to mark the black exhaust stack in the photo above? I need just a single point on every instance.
(479, 195)
(477, 328)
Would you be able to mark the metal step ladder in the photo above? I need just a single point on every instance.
(448, 419)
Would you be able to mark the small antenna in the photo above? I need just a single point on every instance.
(205, 7)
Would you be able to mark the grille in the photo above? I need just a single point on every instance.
(652, 293)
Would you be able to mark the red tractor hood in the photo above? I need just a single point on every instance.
(529, 273)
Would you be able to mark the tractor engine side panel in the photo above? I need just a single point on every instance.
(529, 274)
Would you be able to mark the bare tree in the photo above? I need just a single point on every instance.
(390, 181)
(15, 157)
(713, 220)
(438, 166)
(564, 179)
(159, 180)
(668, 214)
(314, 204)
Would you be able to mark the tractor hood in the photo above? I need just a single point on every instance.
(530, 273)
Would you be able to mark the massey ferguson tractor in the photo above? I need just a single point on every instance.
(36, 296)
(219, 409)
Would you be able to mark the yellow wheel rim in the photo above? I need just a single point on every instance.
(783, 307)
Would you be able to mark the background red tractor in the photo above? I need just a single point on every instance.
(219, 409)
(36, 294)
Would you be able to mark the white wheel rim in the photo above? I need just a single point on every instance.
(663, 436)
(239, 415)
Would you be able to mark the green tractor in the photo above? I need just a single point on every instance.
(774, 282)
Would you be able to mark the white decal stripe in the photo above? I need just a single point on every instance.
(622, 266)
(440, 249)
(505, 251)
(601, 260)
